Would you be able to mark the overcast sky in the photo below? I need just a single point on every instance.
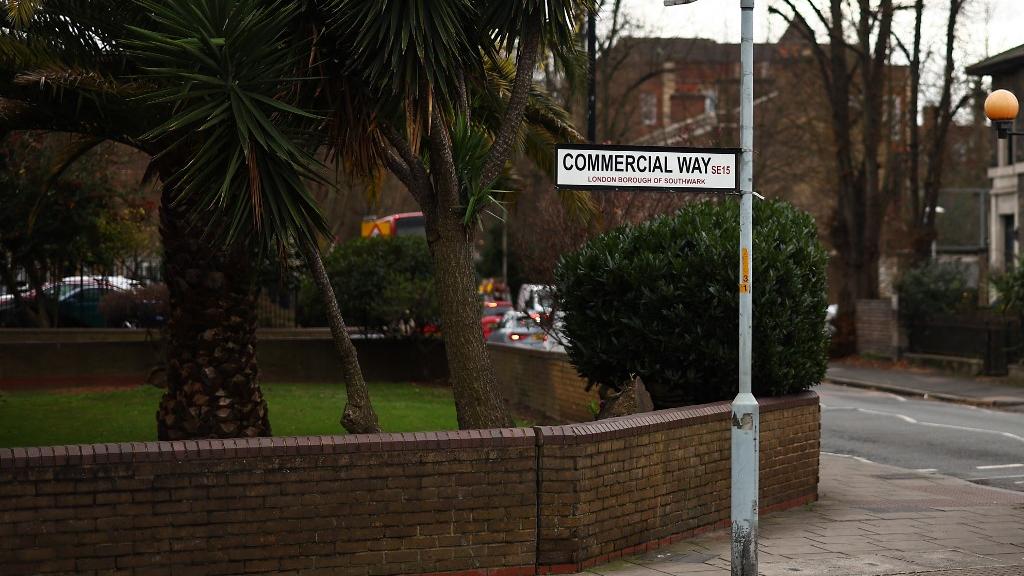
(989, 26)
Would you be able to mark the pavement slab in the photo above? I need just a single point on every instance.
(871, 520)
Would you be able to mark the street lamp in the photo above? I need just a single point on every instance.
(1002, 108)
(746, 421)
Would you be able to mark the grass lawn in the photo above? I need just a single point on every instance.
(55, 418)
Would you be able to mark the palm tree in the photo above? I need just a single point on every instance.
(428, 90)
(160, 76)
(428, 67)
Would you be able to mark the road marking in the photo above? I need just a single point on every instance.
(926, 470)
(896, 396)
(910, 420)
(857, 458)
(997, 477)
(999, 466)
(1019, 482)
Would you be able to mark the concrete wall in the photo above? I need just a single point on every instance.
(508, 502)
(67, 358)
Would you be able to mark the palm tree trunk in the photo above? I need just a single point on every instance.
(358, 416)
(213, 386)
(478, 402)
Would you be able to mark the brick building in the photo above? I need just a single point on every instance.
(685, 92)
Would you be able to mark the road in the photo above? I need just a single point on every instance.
(976, 444)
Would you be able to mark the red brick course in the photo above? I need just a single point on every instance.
(470, 503)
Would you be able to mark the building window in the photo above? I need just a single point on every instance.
(897, 119)
(649, 108)
(710, 103)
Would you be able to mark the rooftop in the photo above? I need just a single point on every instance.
(1007, 61)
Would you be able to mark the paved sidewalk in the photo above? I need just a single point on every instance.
(870, 520)
(974, 391)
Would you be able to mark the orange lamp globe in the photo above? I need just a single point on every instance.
(1001, 106)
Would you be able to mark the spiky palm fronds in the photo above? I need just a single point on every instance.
(19, 12)
(508, 22)
(63, 67)
(409, 49)
(226, 67)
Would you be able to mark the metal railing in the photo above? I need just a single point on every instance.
(996, 340)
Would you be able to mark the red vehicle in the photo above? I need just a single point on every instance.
(493, 310)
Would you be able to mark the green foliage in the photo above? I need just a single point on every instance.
(1010, 286)
(59, 214)
(404, 46)
(933, 288)
(659, 300)
(227, 67)
(382, 285)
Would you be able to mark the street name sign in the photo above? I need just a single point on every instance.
(658, 168)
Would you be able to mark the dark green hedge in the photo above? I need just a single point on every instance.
(660, 300)
(384, 285)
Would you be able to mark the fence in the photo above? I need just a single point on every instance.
(995, 340)
(73, 297)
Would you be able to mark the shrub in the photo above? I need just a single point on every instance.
(1010, 286)
(660, 300)
(933, 288)
(383, 285)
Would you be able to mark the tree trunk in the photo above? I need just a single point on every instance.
(213, 386)
(477, 400)
(358, 416)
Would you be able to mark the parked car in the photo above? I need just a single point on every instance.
(519, 329)
(73, 301)
(493, 311)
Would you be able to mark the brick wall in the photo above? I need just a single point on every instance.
(542, 381)
(468, 502)
(626, 485)
(876, 328)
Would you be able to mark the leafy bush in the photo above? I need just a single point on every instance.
(933, 288)
(383, 285)
(660, 300)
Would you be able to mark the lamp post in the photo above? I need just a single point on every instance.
(1002, 108)
(745, 413)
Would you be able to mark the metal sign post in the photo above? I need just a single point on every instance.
(746, 421)
(708, 170)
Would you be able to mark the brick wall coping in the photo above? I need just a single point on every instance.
(528, 350)
(127, 452)
(94, 335)
(659, 420)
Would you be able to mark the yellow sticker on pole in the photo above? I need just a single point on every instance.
(744, 270)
